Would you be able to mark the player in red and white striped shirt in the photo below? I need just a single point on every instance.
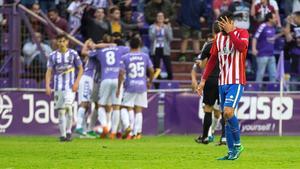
(230, 49)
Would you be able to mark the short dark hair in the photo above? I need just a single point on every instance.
(134, 43)
(216, 28)
(53, 10)
(268, 16)
(113, 9)
(62, 35)
(225, 14)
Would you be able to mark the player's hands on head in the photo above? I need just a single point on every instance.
(48, 90)
(226, 24)
(200, 88)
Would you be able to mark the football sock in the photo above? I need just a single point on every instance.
(206, 124)
(229, 137)
(102, 116)
(214, 124)
(125, 118)
(93, 120)
(138, 123)
(109, 118)
(69, 119)
(80, 117)
(131, 120)
(223, 125)
(62, 122)
(235, 129)
(115, 120)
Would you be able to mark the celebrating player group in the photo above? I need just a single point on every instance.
(111, 75)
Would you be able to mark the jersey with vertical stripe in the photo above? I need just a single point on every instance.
(63, 67)
(230, 50)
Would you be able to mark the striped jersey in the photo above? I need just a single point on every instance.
(63, 67)
(230, 50)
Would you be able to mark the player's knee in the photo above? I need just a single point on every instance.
(208, 108)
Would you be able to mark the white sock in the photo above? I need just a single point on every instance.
(109, 120)
(214, 124)
(131, 121)
(93, 120)
(102, 116)
(125, 118)
(62, 122)
(138, 123)
(80, 117)
(69, 119)
(131, 118)
(115, 120)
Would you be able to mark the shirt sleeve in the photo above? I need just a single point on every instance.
(50, 62)
(93, 53)
(205, 53)
(212, 61)
(241, 42)
(77, 60)
(259, 30)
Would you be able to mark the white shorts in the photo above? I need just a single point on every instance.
(62, 99)
(135, 99)
(85, 89)
(95, 92)
(107, 94)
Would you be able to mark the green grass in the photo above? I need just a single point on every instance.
(151, 152)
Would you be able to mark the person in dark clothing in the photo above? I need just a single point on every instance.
(211, 94)
(94, 24)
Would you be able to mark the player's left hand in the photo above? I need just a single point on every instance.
(200, 88)
(75, 87)
(226, 24)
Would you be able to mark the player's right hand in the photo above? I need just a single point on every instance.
(200, 88)
(48, 91)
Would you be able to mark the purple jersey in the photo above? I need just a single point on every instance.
(265, 36)
(89, 68)
(109, 59)
(63, 67)
(135, 64)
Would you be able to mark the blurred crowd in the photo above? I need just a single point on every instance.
(274, 26)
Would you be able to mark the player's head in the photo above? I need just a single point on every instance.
(135, 43)
(62, 41)
(271, 18)
(223, 16)
(107, 38)
(160, 17)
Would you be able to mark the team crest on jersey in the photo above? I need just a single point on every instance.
(226, 50)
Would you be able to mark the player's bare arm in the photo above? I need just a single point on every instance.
(76, 84)
(151, 77)
(120, 81)
(48, 80)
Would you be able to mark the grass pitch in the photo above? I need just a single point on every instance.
(150, 152)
